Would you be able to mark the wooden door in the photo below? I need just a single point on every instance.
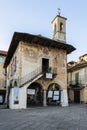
(77, 96)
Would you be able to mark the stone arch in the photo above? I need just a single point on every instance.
(35, 94)
(54, 94)
(54, 86)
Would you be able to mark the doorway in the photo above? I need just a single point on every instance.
(45, 65)
(77, 96)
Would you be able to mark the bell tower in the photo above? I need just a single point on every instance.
(59, 28)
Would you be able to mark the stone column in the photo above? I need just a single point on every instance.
(64, 98)
(44, 98)
(23, 97)
(11, 98)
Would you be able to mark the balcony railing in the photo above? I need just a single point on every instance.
(51, 73)
(75, 83)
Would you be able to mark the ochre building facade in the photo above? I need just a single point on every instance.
(2, 77)
(77, 80)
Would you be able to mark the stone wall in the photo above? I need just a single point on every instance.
(32, 58)
(29, 58)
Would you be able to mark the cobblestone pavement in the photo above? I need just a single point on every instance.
(73, 117)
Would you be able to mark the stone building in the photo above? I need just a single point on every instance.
(77, 80)
(37, 68)
(2, 77)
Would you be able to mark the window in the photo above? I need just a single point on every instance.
(61, 27)
(15, 63)
(4, 71)
(55, 29)
(76, 77)
(4, 83)
(11, 70)
(1, 60)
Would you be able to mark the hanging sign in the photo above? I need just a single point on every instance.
(31, 91)
(55, 97)
(56, 92)
(16, 93)
(50, 94)
(48, 75)
(1, 99)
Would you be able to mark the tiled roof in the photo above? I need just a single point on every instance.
(4, 53)
(78, 66)
(38, 40)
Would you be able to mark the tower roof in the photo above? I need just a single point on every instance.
(3, 53)
(59, 16)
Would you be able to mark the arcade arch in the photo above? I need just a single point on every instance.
(53, 94)
(34, 94)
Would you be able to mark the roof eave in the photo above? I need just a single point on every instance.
(35, 39)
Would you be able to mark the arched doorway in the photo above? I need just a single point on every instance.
(34, 95)
(53, 94)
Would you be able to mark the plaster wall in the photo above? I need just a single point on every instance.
(32, 59)
(81, 73)
(57, 34)
(29, 57)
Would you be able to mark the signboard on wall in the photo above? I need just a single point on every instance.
(16, 94)
(48, 75)
(56, 92)
(31, 91)
(55, 97)
(1, 99)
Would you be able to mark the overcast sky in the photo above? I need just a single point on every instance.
(35, 16)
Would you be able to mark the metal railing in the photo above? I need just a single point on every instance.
(76, 83)
(36, 73)
(30, 76)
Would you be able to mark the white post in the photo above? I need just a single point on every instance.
(64, 98)
(11, 98)
(23, 97)
(44, 98)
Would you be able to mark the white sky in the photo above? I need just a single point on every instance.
(35, 16)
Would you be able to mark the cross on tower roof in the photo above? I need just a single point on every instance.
(59, 11)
